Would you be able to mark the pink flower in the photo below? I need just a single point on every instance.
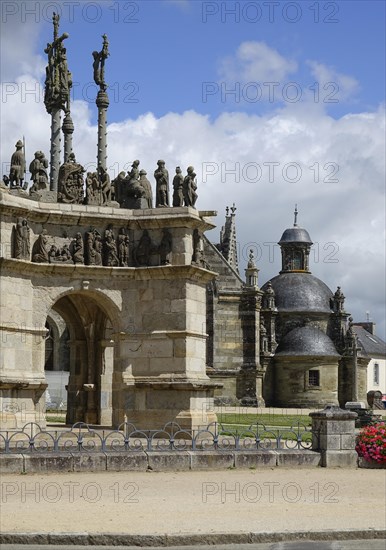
(371, 443)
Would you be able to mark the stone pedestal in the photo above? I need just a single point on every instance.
(333, 434)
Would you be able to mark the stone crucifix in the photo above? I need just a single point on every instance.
(102, 101)
(58, 84)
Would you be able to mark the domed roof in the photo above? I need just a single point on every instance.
(306, 340)
(295, 235)
(300, 292)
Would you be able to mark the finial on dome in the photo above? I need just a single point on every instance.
(296, 216)
(251, 262)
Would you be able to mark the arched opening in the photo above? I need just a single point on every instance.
(79, 341)
(56, 362)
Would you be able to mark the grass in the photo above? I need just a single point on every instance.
(57, 418)
(269, 420)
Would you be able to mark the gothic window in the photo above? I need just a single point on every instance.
(314, 378)
(376, 374)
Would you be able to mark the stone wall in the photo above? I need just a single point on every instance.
(137, 332)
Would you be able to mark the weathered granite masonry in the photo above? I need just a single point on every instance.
(333, 434)
(137, 333)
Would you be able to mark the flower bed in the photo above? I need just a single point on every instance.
(371, 445)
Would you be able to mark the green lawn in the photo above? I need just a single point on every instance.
(269, 420)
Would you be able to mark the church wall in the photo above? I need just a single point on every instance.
(291, 382)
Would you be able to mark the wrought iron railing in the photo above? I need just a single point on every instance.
(83, 438)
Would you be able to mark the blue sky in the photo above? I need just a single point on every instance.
(169, 49)
(327, 156)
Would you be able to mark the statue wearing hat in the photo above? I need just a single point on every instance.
(162, 190)
(17, 171)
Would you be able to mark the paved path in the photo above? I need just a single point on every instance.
(314, 545)
(196, 504)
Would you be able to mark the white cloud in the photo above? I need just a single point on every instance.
(345, 218)
(256, 62)
(336, 85)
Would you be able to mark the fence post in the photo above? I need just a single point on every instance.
(334, 436)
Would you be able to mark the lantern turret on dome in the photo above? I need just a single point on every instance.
(295, 244)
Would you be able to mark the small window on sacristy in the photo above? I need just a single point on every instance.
(313, 378)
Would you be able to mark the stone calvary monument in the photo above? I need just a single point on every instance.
(123, 290)
(125, 273)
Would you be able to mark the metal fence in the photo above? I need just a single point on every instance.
(83, 438)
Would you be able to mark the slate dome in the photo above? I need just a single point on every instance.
(295, 235)
(307, 341)
(300, 292)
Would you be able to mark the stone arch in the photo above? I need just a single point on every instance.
(92, 320)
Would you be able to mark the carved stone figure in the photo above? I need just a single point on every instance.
(78, 249)
(38, 169)
(22, 240)
(190, 188)
(99, 64)
(198, 257)
(133, 175)
(134, 192)
(165, 247)
(71, 182)
(58, 81)
(338, 301)
(92, 188)
(110, 255)
(119, 184)
(98, 249)
(59, 255)
(143, 251)
(39, 251)
(123, 248)
(146, 185)
(52, 253)
(105, 186)
(178, 185)
(162, 190)
(64, 77)
(65, 253)
(90, 249)
(18, 166)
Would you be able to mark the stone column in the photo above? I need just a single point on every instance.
(68, 130)
(333, 434)
(102, 102)
(251, 373)
(55, 148)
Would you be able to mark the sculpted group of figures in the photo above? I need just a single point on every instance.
(132, 191)
(37, 168)
(94, 249)
(101, 250)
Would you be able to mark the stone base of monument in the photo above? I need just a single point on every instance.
(113, 204)
(44, 196)
(19, 192)
(154, 404)
(22, 402)
(136, 203)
